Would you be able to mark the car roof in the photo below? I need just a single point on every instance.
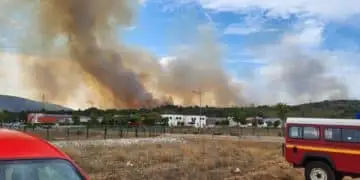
(20, 145)
(323, 121)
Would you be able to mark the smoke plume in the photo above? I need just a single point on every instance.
(297, 76)
(74, 42)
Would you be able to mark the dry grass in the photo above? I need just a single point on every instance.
(197, 159)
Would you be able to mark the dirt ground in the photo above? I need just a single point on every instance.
(200, 159)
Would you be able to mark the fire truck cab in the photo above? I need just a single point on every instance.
(328, 149)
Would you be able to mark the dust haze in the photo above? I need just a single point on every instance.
(67, 43)
(303, 76)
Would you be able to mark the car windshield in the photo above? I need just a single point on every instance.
(49, 169)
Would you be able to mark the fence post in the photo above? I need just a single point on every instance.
(136, 131)
(120, 132)
(105, 132)
(87, 131)
(68, 133)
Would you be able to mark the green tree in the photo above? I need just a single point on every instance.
(76, 119)
(121, 120)
(240, 116)
(151, 118)
(165, 121)
(93, 119)
(134, 118)
(282, 111)
(276, 124)
(107, 119)
(260, 114)
(260, 122)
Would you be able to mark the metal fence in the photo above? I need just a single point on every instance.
(82, 133)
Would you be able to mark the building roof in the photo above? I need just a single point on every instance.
(19, 145)
(323, 121)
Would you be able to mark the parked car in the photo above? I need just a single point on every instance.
(26, 157)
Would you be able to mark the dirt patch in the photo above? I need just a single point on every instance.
(200, 159)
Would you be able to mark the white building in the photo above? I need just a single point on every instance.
(195, 121)
(174, 119)
(186, 120)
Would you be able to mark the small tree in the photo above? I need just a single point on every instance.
(282, 111)
(135, 118)
(151, 118)
(276, 124)
(76, 119)
(165, 121)
(93, 119)
(240, 117)
(107, 119)
(260, 122)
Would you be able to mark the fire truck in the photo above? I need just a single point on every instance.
(328, 149)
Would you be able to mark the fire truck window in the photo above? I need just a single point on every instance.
(333, 134)
(295, 132)
(311, 133)
(350, 135)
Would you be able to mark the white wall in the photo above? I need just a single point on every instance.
(188, 120)
(195, 121)
(173, 119)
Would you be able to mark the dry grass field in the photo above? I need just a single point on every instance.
(198, 159)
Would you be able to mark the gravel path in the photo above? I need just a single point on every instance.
(273, 139)
(117, 142)
(166, 138)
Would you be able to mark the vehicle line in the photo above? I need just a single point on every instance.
(324, 149)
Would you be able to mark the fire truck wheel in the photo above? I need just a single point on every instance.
(318, 170)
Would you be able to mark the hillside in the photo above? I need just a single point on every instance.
(17, 104)
(326, 109)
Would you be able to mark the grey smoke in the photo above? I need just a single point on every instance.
(303, 76)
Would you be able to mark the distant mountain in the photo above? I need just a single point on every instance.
(17, 104)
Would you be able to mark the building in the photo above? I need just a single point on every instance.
(84, 119)
(38, 118)
(174, 119)
(195, 121)
(185, 120)
(213, 121)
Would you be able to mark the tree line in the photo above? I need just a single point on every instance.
(325, 109)
(150, 116)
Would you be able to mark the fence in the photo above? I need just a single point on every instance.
(82, 133)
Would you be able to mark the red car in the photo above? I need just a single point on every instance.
(26, 157)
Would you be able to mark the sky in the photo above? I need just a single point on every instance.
(292, 51)
(325, 30)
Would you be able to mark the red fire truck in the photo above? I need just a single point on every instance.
(328, 149)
